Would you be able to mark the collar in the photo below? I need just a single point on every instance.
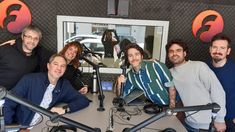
(58, 86)
(142, 67)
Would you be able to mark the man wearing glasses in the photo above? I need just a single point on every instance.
(20, 58)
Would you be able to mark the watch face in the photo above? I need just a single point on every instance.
(67, 109)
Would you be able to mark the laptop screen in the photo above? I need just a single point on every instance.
(107, 86)
(133, 96)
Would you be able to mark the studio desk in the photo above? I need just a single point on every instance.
(101, 119)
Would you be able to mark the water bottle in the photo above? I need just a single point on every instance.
(94, 86)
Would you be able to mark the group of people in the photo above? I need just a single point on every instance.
(57, 79)
(196, 82)
(32, 72)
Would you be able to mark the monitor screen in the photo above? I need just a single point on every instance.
(107, 85)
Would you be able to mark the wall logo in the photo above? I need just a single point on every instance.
(22, 15)
(207, 24)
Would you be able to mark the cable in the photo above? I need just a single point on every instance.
(127, 113)
(48, 126)
(126, 123)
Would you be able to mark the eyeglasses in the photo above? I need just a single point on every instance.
(31, 38)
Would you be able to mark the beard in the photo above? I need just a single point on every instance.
(216, 59)
(176, 60)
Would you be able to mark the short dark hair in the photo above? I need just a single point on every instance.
(221, 36)
(179, 42)
(135, 46)
(54, 56)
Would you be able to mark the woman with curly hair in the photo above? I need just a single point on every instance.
(71, 53)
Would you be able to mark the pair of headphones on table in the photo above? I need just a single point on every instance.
(63, 128)
(153, 108)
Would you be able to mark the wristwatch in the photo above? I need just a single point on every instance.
(66, 109)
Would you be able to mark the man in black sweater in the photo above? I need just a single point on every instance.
(20, 58)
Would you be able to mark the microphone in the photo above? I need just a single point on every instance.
(87, 51)
(119, 101)
(53, 116)
(215, 108)
(123, 67)
(212, 106)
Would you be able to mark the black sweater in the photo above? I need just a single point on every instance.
(14, 64)
(73, 75)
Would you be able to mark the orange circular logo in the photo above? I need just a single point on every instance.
(206, 24)
(22, 15)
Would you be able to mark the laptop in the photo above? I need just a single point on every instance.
(107, 85)
(135, 98)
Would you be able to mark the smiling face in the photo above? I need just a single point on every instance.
(219, 50)
(56, 67)
(30, 40)
(176, 54)
(134, 58)
(71, 53)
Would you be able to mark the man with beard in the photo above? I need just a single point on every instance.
(19, 59)
(197, 85)
(152, 77)
(224, 69)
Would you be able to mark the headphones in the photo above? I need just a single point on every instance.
(63, 128)
(118, 102)
(153, 108)
(169, 130)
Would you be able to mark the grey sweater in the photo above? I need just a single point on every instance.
(198, 85)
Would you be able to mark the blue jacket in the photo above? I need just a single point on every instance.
(32, 88)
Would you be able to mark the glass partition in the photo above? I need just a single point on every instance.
(92, 33)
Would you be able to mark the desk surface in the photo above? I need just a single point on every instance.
(96, 119)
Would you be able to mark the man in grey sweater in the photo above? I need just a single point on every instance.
(196, 85)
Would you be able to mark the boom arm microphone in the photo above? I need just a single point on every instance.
(119, 101)
(213, 106)
(123, 67)
(87, 50)
(53, 116)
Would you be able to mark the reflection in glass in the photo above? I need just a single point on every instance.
(148, 36)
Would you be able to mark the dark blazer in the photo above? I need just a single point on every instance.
(32, 88)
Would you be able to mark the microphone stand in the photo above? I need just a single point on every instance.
(54, 117)
(119, 100)
(87, 50)
(170, 111)
(97, 73)
(213, 116)
(2, 120)
(211, 126)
